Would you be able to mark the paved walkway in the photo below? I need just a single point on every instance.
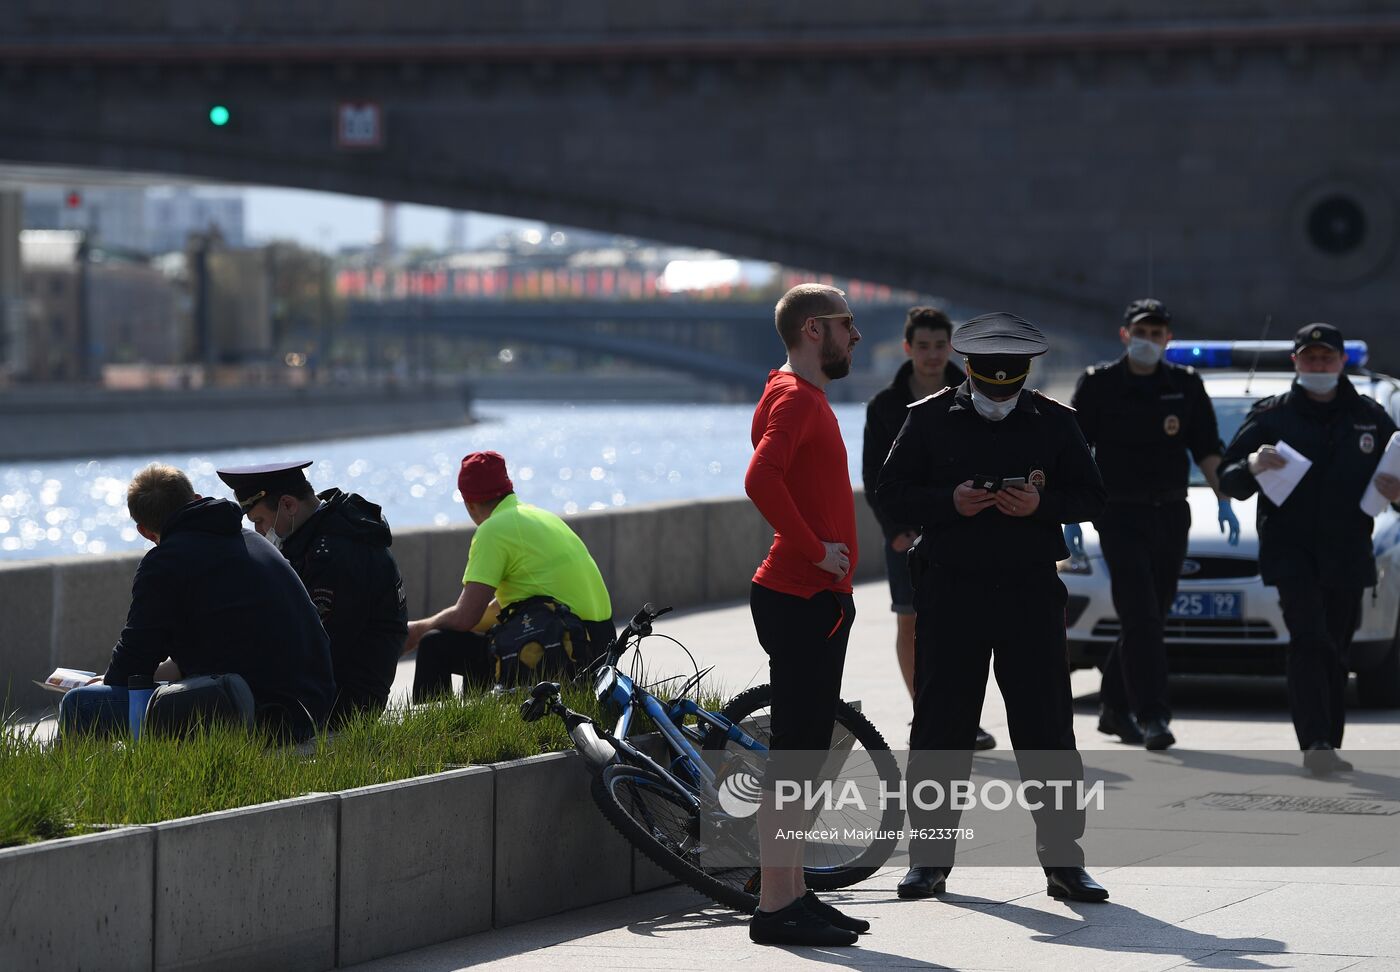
(995, 918)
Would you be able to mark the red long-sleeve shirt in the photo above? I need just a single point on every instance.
(798, 479)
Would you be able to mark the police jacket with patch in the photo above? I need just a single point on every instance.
(1319, 532)
(342, 555)
(884, 417)
(1141, 427)
(945, 443)
(218, 598)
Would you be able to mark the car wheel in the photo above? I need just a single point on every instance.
(1379, 687)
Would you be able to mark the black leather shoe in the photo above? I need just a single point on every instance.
(840, 919)
(923, 882)
(1116, 722)
(1073, 884)
(1156, 735)
(1322, 760)
(985, 740)
(796, 925)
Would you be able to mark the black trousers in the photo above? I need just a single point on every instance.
(1321, 622)
(1016, 621)
(443, 653)
(805, 639)
(1143, 546)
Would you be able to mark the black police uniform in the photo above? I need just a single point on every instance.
(1315, 547)
(986, 585)
(1141, 428)
(341, 553)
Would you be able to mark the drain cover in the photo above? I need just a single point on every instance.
(1294, 804)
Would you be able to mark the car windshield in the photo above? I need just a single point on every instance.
(1229, 415)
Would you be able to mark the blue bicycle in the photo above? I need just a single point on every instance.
(687, 797)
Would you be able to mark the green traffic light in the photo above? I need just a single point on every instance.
(218, 116)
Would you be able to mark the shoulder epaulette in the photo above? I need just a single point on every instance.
(929, 398)
(1041, 396)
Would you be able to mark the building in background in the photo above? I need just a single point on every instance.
(174, 212)
(139, 219)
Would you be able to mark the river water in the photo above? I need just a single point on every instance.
(562, 457)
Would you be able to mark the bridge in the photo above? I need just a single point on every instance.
(727, 342)
(1236, 157)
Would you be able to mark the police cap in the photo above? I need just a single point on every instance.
(252, 484)
(999, 334)
(1324, 334)
(1147, 309)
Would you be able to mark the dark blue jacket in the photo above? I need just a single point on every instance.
(218, 598)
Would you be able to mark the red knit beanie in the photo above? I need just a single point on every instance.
(483, 478)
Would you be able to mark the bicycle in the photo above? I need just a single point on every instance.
(696, 816)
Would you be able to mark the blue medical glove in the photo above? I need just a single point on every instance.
(1074, 538)
(1226, 518)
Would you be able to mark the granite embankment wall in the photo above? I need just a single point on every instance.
(56, 424)
(69, 611)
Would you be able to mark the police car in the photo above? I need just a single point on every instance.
(1224, 620)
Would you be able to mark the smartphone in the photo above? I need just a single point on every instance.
(989, 483)
(1013, 481)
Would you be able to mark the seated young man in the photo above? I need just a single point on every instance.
(518, 552)
(210, 598)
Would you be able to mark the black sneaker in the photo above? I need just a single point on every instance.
(840, 919)
(1116, 722)
(985, 740)
(796, 925)
(1322, 760)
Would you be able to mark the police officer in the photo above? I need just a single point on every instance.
(1142, 416)
(338, 543)
(927, 337)
(1315, 546)
(990, 472)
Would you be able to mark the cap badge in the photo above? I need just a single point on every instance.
(1316, 334)
(1171, 425)
(1001, 376)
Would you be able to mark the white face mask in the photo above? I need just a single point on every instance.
(991, 409)
(1320, 382)
(273, 537)
(1144, 352)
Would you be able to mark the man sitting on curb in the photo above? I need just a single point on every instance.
(519, 552)
(210, 598)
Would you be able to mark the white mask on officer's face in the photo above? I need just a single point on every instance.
(991, 409)
(1318, 382)
(273, 537)
(1144, 352)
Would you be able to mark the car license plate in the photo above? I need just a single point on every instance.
(1208, 604)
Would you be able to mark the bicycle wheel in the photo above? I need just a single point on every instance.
(869, 833)
(663, 826)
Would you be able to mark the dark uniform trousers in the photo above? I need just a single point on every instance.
(1015, 620)
(1144, 546)
(1321, 622)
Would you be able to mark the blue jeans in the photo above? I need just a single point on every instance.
(99, 709)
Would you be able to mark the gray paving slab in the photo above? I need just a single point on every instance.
(1320, 919)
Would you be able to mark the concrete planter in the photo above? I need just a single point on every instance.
(248, 888)
(78, 903)
(554, 850)
(415, 862)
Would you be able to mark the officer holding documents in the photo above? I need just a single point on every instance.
(990, 472)
(1144, 417)
(1314, 538)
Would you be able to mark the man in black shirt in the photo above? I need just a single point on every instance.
(927, 333)
(990, 472)
(210, 598)
(1142, 416)
(1315, 546)
(338, 543)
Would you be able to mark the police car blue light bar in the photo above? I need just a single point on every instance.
(1243, 355)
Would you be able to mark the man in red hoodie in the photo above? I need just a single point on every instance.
(801, 594)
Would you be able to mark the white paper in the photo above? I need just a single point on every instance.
(64, 679)
(1372, 502)
(1278, 484)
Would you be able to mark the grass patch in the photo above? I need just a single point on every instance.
(84, 784)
